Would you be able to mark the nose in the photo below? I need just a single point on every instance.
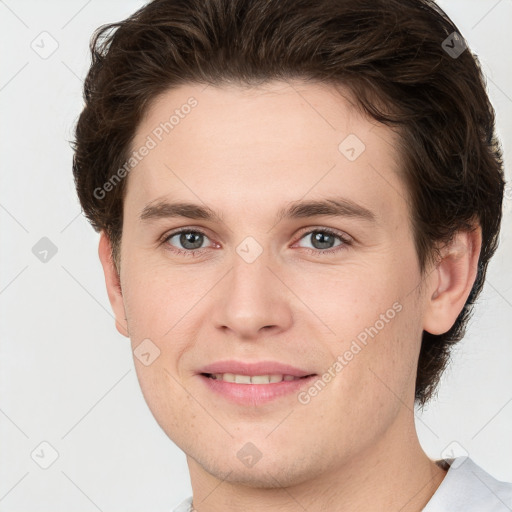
(252, 299)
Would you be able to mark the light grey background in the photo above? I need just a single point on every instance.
(67, 377)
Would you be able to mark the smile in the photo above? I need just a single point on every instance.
(252, 379)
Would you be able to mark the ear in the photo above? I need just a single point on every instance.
(113, 283)
(452, 280)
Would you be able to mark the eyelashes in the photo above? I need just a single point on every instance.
(345, 241)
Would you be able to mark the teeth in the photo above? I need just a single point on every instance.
(254, 379)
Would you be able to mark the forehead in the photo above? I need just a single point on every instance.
(261, 146)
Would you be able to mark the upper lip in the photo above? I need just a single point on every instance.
(255, 368)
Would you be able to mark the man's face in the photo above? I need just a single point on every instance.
(254, 288)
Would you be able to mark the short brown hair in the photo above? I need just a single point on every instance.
(393, 55)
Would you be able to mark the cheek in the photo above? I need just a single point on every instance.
(354, 300)
(158, 301)
(383, 358)
(377, 323)
(156, 308)
(165, 397)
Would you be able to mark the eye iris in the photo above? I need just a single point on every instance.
(193, 240)
(188, 238)
(320, 238)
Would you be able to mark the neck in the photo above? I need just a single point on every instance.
(393, 474)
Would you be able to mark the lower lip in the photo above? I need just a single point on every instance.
(255, 394)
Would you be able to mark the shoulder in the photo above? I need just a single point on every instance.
(469, 488)
(184, 506)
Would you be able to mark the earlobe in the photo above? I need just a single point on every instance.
(452, 280)
(113, 283)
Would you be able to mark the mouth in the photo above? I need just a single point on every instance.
(254, 384)
(253, 379)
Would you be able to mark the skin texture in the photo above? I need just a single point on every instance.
(246, 153)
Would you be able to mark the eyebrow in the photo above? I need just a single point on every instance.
(332, 207)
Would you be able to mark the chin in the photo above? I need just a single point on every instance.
(272, 473)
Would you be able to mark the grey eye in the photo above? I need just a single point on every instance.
(321, 239)
(188, 240)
